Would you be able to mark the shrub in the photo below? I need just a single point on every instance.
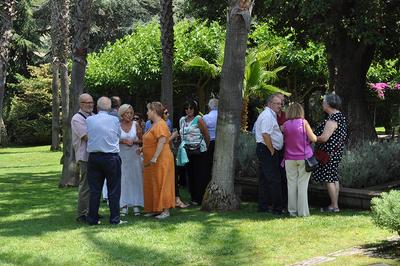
(386, 210)
(247, 162)
(29, 119)
(370, 164)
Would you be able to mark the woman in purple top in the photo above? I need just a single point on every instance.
(297, 136)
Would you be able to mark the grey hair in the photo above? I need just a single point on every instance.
(104, 104)
(83, 96)
(122, 110)
(271, 97)
(213, 104)
(333, 101)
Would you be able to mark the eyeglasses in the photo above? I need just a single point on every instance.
(88, 102)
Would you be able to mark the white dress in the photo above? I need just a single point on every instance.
(131, 171)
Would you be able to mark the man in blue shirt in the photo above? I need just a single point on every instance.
(104, 162)
(210, 120)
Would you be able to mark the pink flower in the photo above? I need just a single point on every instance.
(379, 86)
(397, 86)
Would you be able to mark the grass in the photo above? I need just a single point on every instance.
(37, 227)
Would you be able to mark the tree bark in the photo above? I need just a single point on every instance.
(80, 46)
(7, 16)
(55, 120)
(350, 63)
(167, 43)
(220, 194)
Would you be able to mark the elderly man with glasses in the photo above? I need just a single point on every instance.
(79, 142)
(269, 140)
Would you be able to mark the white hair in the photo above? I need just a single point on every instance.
(213, 103)
(104, 104)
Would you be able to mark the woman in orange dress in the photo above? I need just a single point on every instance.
(159, 170)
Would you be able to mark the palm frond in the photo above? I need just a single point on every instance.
(200, 64)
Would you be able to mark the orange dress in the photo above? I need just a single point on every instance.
(159, 178)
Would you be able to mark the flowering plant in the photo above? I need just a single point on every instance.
(381, 87)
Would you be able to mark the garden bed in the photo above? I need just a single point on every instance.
(247, 188)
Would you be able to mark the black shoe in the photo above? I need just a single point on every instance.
(81, 219)
(278, 212)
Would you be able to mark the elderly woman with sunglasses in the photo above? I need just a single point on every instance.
(195, 140)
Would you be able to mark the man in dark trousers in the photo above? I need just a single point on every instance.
(104, 162)
(269, 140)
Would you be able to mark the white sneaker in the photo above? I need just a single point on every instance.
(163, 215)
(121, 222)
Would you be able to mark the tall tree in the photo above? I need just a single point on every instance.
(220, 193)
(80, 45)
(55, 69)
(61, 26)
(6, 19)
(353, 31)
(167, 45)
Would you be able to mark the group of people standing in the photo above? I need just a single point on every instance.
(137, 163)
(284, 142)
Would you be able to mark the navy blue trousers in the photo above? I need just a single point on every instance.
(103, 166)
(270, 181)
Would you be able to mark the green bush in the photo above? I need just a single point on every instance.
(370, 164)
(386, 210)
(29, 120)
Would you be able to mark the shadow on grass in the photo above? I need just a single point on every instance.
(386, 249)
(32, 204)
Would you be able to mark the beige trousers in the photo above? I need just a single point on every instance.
(84, 191)
(297, 183)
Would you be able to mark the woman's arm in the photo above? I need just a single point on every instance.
(204, 131)
(160, 145)
(329, 128)
(310, 134)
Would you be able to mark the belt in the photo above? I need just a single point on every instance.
(103, 153)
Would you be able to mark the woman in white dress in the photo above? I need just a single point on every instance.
(132, 166)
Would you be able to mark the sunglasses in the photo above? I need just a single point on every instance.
(136, 118)
(166, 112)
(189, 108)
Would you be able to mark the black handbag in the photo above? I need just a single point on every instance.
(192, 149)
(310, 163)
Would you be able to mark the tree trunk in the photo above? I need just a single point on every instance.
(167, 43)
(351, 61)
(55, 120)
(244, 121)
(7, 16)
(80, 48)
(220, 194)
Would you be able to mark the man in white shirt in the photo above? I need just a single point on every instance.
(269, 140)
(210, 120)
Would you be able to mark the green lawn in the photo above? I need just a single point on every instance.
(37, 227)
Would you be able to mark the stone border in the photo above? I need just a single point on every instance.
(247, 189)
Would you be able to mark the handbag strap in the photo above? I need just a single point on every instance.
(304, 138)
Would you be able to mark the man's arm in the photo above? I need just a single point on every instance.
(268, 142)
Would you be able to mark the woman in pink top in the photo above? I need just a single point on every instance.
(297, 135)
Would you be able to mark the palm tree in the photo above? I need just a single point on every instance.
(220, 193)
(260, 73)
(167, 43)
(7, 16)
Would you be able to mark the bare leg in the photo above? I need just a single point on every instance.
(333, 191)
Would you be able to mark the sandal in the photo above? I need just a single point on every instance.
(124, 211)
(181, 205)
(136, 211)
(330, 209)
